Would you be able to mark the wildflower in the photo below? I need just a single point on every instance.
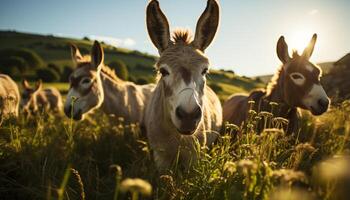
(231, 126)
(272, 131)
(136, 185)
(265, 114)
(280, 122)
(247, 166)
(305, 147)
(251, 104)
(290, 194)
(121, 119)
(289, 176)
(230, 167)
(117, 169)
(333, 168)
(273, 105)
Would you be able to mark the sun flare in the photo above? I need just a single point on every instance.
(299, 40)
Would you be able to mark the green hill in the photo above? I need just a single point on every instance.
(55, 51)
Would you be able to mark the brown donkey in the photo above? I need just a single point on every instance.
(38, 99)
(94, 85)
(295, 85)
(183, 110)
(9, 97)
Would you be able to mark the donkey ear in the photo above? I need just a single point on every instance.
(97, 55)
(39, 85)
(76, 56)
(157, 26)
(207, 26)
(282, 50)
(25, 84)
(310, 48)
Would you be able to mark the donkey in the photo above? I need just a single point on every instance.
(38, 99)
(295, 85)
(9, 97)
(94, 85)
(183, 111)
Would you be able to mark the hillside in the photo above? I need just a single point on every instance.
(55, 50)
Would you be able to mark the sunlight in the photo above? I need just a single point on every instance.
(299, 40)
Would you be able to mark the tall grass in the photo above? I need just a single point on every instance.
(51, 157)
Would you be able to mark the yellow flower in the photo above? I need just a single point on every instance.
(136, 185)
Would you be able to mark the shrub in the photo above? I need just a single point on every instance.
(14, 62)
(141, 81)
(217, 88)
(144, 67)
(11, 71)
(32, 59)
(120, 69)
(48, 75)
(55, 67)
(67, 71)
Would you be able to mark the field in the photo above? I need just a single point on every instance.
(53, 50)
(53, 157)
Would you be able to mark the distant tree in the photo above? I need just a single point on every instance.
(67, 71)
(47, 75)
(86, 38)
(54, 67)
(258, 79)
(132, 79)
(217, 88)
(144, 67)
(10, 70)
(32, 59)
(14, 62)
(141, 81)
(120, 69)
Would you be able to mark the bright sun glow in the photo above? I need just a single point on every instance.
(299, 40)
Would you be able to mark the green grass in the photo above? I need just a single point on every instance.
(49, 157)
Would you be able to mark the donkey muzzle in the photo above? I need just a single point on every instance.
(189, 121)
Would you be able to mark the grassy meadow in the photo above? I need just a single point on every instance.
(53, 157)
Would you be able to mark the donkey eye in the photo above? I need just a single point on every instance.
(86, 81)
(205, 71)
(163, 71)
(297, 76)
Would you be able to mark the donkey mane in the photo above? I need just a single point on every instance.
(273, 81)
(182, 36)
(105, 69)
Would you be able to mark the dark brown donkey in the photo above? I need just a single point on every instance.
(295, 85)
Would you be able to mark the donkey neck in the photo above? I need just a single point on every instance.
(164, 128)
(275, 93)
(115, 97)
(275, 90)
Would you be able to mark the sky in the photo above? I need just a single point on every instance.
(245, 42)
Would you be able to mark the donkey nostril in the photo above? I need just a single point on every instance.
(68, 110)
(323, 103)
(197, 113)
(180, 113)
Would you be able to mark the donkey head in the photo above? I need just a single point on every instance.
(29, 100)
(182, 64)
(86, 92)
(302, 87)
